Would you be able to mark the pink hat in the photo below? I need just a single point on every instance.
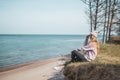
(94, 33)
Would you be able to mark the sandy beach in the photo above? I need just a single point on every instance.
(38, 70)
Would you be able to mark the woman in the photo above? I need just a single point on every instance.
(90, 49)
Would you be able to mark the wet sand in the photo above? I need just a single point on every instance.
(38, 70)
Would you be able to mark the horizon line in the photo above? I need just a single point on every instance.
(43, 34)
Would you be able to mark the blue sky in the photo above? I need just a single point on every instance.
(43, 17)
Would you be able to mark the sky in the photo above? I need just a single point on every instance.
(43, 17)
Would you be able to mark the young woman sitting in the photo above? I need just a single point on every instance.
(89, 51)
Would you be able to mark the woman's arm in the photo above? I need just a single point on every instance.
(86, 40)
(85, 43)
(90, 46)
(87, 48)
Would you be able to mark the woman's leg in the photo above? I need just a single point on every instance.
(76, 56)
(73, 56)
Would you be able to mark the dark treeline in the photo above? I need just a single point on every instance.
(104, 16)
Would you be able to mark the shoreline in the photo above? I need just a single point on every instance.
(35, 63)
(30, 64)
(38, 70)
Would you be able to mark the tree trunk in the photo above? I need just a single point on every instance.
(106, 5)
(112, 16)
(108, 21)
(96, 12)
(90, 6)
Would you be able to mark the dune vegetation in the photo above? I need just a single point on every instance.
(105, 67)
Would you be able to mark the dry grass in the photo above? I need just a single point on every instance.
(115, 39)
(109, 54)
(105, 67)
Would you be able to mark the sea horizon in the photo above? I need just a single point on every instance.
(43, 34)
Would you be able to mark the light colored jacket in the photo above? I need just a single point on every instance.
(90, 52)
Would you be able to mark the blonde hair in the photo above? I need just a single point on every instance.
(97, 43)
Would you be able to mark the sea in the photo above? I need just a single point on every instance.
(19, 49)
